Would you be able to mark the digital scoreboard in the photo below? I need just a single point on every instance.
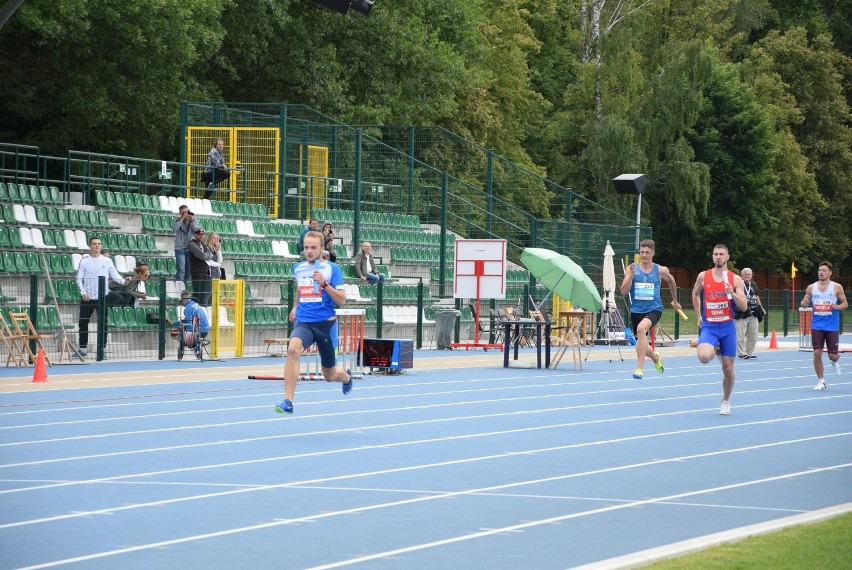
(387, 353)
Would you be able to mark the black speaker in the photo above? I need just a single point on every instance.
(630, 183)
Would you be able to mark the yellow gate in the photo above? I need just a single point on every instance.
(313, 183)
(251, 151)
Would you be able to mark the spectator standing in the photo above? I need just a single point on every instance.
(215, 171)
(319, 290)
(746, 321)
(365, 265)
(313, 226)
(715, 292)
(199, 269)
(91, 269)
(184, 227)
(828, 300)
(129, 290)
(328, 241)
(214, 244)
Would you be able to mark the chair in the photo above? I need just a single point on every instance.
(26, 332)
(38, 239)
(13, 343)
(570, 338)
(32, 219)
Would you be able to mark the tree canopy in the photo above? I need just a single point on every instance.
(737, 110)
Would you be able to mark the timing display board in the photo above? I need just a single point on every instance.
(480, 269)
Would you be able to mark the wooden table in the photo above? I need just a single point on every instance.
(587, 329)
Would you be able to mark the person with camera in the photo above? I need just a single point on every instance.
(184, 227)
(328, 241)
(746, 321)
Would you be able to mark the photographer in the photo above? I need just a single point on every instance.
(328, 241)
(184, 227)
(746, 321)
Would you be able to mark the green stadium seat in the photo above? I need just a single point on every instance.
(115, 318)
(4, 192)
(12, 190)
(55, 196)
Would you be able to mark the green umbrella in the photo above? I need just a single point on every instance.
(562, 276)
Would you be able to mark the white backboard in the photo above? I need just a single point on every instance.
(480, 269)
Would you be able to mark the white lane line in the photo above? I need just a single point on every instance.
(414, 423)
(413, 407)
(434, 544)
(557, 382)
(503, 455)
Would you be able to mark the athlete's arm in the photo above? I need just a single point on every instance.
(627, 282)
(696, 297)
(806, 300)
(841, 298)
(669, 278)
(739, 293)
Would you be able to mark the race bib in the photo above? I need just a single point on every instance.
(308, 293)
(644, 291)
(717, 312)
(822, 309)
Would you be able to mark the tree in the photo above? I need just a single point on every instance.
(807, 83)
(733, 136)
(103, 76)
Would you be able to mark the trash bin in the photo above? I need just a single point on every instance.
(445, 324)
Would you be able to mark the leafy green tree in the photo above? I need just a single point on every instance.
(733, 136)
(807, 83)
(103, 76)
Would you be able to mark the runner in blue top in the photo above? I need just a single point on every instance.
(828, 300)
(643, 283)
(319, 290)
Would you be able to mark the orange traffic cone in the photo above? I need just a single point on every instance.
(773, 342)
(40, 374)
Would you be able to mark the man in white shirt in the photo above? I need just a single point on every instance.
(91, 269)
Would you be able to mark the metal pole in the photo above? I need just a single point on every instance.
(638, 220)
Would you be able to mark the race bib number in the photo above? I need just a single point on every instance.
(822, 309)
(644, 291)
(717, 312)
(308, 293)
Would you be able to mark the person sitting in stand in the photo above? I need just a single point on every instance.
(129, 290)
(313, 226)
(215, 171)
(328, 241)
(365, 266)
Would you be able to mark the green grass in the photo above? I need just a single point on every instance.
(824, 545)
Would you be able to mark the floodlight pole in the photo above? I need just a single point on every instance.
(638, 220)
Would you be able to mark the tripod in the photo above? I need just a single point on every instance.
(608, 327)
